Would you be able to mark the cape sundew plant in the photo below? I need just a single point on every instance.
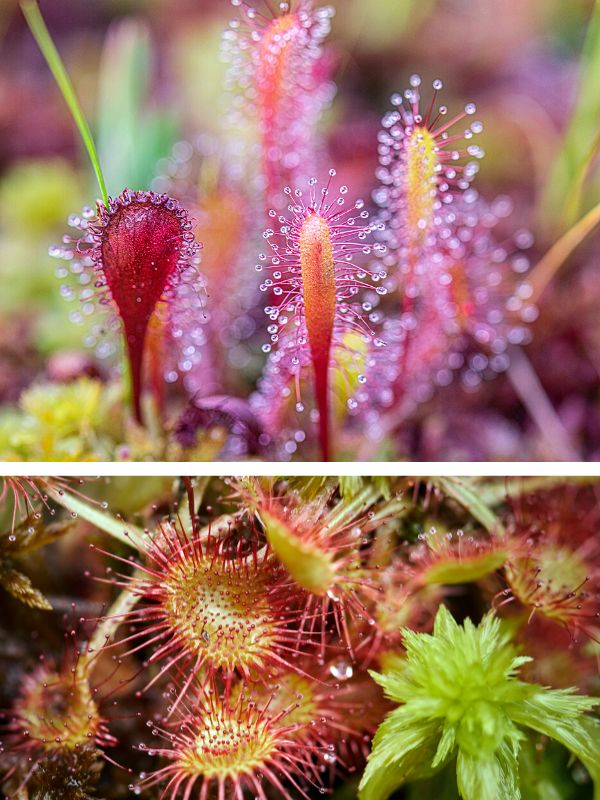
(281, 71)
(451, 275)
(243, 300)
(297, 637)
(315, 283)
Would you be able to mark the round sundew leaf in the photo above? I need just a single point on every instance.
(220, 611)
(233, 747)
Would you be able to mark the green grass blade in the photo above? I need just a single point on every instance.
(38, 28)
(578, 143)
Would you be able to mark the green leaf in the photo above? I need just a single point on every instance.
(444, 626)
(494, 492)
(459, 694)
(478, 778)
(105, 522)
(592, 727)
(399, 752)
(309, 566)
(558, 713)
(547, 267)
(350, 485)
(310, 488)
(461, 490)
(117, 614)
(445, 747)
(468, 570)
(495, 778)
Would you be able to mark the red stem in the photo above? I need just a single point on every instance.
(135, 353)
(154, 358)
(321, 370)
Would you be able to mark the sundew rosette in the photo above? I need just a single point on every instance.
(58, 716)
(552, 568)
(227, 747)
(316, 274)
(138, 258)
(211, 605)
(56, 710)
(334, 711)
(281, 76)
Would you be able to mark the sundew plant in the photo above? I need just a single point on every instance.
(300, 265)
(299, 637)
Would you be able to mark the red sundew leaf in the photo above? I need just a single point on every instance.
(140, 251)
(139, 258)
(463, 293)
(554, 553)
(219, 747)
(59, 709)
(143, 240)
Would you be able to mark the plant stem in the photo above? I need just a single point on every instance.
(321, 371)
(124, 603)
(106, 522)
(496, 492)
(41, 34)
(548, 265)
